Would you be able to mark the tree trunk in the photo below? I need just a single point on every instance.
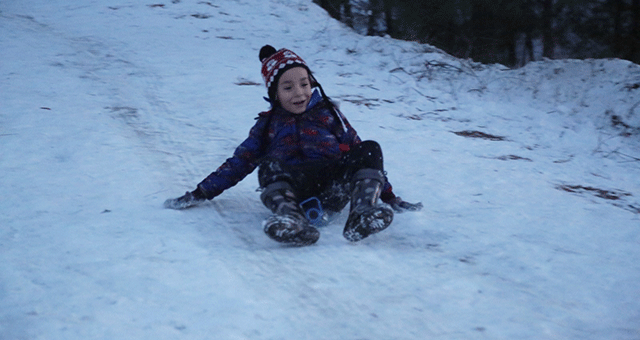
(617, 43)
(634, 52)
(373, 18)
(388, 17)
(326, 4)
(547, 29)
(348, 16)
(529, 48)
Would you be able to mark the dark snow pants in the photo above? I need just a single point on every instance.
(329, 181)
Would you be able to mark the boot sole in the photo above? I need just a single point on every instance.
(286, 230)
(362, 225)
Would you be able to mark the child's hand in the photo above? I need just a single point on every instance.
(185, 201)
(401, 206)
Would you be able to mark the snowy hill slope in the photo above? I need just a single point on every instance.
(530, 180)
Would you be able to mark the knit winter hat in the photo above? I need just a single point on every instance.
(275, 63)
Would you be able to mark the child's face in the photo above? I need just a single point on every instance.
(294, 90)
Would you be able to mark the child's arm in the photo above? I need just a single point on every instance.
(245, 159)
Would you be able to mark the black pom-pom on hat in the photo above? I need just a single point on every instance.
(266, 51)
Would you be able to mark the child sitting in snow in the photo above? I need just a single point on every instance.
(305, 150)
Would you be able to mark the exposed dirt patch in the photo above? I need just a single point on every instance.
(613, 195)
(618, 198)
(246, 82)
(514, 158)
(201, 16)
(359, 100)
(479, 134)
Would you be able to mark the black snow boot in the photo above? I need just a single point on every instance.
(288, 223)
(367, 216)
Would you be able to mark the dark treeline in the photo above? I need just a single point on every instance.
(510, 32)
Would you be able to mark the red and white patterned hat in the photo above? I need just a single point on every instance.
(275, 64)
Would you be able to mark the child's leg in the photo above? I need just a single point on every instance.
(337, 190)
(366, 215)
(358, 178)
(288, 224)
(302, 179)
(366, 155)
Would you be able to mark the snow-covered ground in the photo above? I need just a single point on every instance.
(530, 180)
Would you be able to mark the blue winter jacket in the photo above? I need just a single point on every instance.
(314, 135)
